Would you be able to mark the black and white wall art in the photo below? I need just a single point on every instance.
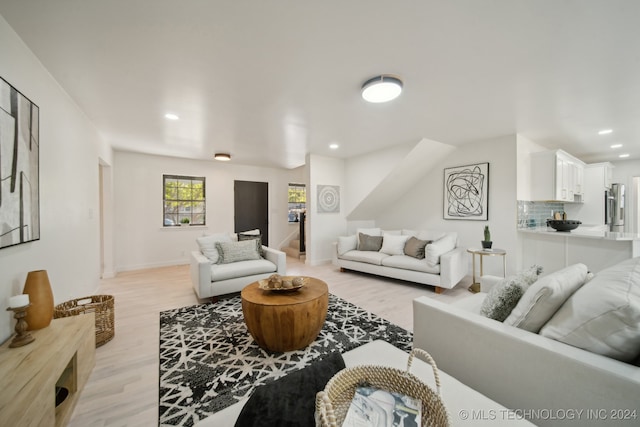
(466, 192)
(328, 199)
(19, 167)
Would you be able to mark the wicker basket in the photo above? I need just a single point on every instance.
(101, 305)
(333, 403)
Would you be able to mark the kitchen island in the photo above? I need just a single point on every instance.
(597, 249)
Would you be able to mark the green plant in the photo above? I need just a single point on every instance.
(487, 234)
(185, 220)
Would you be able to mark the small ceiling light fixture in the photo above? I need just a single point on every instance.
(382, 88)
(334, 146)
(616, 146)
(622, 156)
(171, 116)
(605, 131)
(223, 157)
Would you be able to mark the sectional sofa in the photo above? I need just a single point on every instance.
(443, 263)
(546, 380)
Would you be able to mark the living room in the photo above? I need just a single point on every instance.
(101, 207)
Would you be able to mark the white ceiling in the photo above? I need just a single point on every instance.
(269, 81)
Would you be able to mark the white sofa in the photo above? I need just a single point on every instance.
(443, 267)
(547, 381)
(211, 279)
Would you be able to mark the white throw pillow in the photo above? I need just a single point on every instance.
(346, 244)
(603, 316)
(437, 248)
(543, 298)
(393, 244)
(207, 245)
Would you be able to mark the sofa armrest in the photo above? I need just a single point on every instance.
(522, 370)
(453, 267)
(277, 257)
(200, 272)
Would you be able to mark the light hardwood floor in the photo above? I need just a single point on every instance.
(123, 387)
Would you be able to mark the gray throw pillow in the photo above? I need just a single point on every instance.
(256, 237)
(504, 296)
(237, 251)
(369, 243)
(415, 247)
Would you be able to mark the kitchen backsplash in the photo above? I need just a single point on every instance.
(536, 214)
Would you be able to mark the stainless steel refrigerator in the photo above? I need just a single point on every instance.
(614, 207)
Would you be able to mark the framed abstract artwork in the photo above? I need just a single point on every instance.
(19, 167)
(328, 199)
(466, 192)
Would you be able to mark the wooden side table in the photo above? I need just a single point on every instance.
(475, 285)
(285, 321)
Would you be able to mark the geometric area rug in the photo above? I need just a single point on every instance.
(208, 359)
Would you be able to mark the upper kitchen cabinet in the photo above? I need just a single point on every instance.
(556, 176)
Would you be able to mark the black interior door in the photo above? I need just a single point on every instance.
(251, 205)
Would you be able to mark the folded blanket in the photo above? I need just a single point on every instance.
(290, 401)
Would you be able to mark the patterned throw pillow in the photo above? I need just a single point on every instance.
(504, 296)
(251, 236)
(237, 251)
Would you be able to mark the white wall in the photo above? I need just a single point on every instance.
(422, 207)
(141, 241)
(324, 228)
(69, 229)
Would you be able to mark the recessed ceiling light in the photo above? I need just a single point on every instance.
(616, 146)
(223, 157)
(605, 131)
(171, 116)
(381, 88)
(334, 146)
(622, 156)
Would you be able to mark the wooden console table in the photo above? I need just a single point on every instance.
(63, 355)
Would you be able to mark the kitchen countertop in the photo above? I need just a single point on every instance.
(586, 232)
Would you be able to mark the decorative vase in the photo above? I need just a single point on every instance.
(40, 313)
(486, 244)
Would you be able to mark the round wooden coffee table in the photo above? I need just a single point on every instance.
(285, 321)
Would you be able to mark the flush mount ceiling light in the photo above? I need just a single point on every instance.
(171, 116)
(223, 157)
(381, 88)
(334, 146)
(622, 156)
(616, 146)
(605, 131)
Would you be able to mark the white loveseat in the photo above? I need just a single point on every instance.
(544, 380)
(443, 266)
(211, 278)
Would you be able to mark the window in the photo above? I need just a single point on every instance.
(184, 200)
(297, 201)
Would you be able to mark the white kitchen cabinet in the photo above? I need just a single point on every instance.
(556, 176)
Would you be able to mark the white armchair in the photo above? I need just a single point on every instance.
(210, 279)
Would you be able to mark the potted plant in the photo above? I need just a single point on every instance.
(184, 221)
(486, 243)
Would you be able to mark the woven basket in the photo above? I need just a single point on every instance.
(333, 403)
(101, 305)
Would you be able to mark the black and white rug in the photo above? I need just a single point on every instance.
(209, 361)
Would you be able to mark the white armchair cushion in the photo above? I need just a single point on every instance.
(435, 249)
(207, 245)
(543, 298)
(347, 243)
(393, 244)
(241, 269)
(603, 316)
